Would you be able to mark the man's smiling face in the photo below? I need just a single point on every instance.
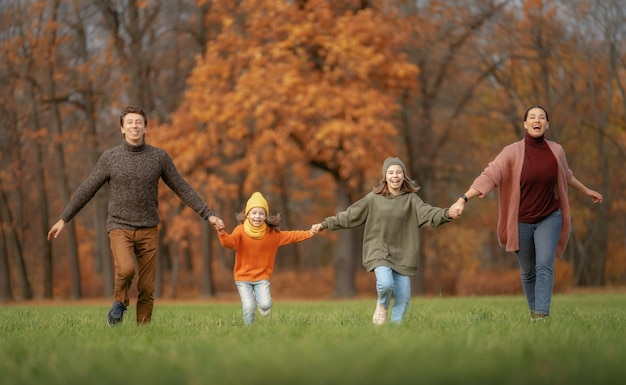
(133, 128)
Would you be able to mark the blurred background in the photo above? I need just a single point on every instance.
(303, 100)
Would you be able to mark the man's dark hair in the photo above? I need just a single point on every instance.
(133, 110)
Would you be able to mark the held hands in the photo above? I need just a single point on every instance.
(316, 228)
(218, 223)
(456, 209)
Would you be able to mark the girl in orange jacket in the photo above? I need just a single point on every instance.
(255, 241)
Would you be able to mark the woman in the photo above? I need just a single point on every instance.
(534, 218)
(392, 214)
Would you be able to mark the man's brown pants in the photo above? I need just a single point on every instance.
(128, 246)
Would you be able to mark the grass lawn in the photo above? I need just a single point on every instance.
(482, 340)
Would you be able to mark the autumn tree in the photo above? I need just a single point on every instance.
(600, 57)
(541, 62)
(65, 85)
(288, 85)
(10, 247)
(301, 100)
(444, 37)
(155, 44)
(36, 78)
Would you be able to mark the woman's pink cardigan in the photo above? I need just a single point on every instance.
(504, 172)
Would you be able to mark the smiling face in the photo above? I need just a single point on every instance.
(133, 128)
(257, 216)
(536, 122)
(394, 178)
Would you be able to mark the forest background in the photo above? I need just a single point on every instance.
(302, 100)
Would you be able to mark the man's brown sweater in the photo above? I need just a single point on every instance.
(133, 174)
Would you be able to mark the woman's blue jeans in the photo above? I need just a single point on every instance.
(254, 294)
(389, 282)
(537, 246)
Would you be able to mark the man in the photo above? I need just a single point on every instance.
(133, 170)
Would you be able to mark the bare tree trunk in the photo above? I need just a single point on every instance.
(208, 284)
(343, 260)
(163, 263)
(158, 280)
(441, 88)
(176, 256)
(56, 124)
(46, 252)
(103, 249)
(590, 254)
(598, 241)
(357, 251)
(289, 254)
(102, 252)
(6, 291)
(14, 247)
(614, 86)
(419, 281)
(39, 178)
(129, 30)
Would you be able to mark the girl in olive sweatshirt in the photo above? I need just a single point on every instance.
(255, 241)
(391, 214)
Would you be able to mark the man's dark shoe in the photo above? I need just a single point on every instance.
(116, 313)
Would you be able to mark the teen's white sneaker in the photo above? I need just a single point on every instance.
(380, 315)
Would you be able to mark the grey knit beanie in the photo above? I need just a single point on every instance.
(393, 161)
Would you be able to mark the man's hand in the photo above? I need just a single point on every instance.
(216, 222)
(56, 229)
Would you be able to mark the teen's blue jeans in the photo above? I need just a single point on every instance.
(253, 295)
(389, 282)
(537, 245)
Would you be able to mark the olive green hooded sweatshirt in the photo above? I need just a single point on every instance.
(391, 237)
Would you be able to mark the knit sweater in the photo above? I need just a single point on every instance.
(133, 174)
(537, 181)
(504, 172)
(390, 236)
(254, 258)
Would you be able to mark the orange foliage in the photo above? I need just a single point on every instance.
(290, 97)
(268, 99)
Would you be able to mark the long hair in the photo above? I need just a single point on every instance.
(272, 222)
(408, 185)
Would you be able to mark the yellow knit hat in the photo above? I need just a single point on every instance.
(257, 200)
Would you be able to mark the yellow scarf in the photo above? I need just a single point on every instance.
(256, 232)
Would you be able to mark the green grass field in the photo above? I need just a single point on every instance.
(483, 340)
